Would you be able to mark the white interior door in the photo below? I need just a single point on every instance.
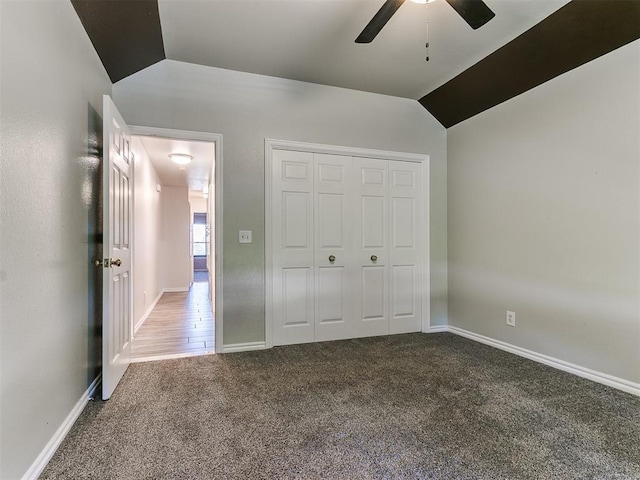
(333, 247)
(116, 264)
(293, 247)
(405, 246)
(371, 246)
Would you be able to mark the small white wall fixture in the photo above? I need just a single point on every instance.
(273, 144)
(216, 139)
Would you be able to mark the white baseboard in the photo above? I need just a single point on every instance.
(176, 289)
(437, 329)
(50, 448)
(243, 347)
(147, 313)
(599, 377)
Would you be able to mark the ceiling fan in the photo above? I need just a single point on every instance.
(474, 12)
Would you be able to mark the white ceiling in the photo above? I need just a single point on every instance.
(313, 40)
(195, 175)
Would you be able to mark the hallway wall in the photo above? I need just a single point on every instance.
(147, 231)
(174, 243)
(198, 205)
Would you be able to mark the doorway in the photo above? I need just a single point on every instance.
(175, 271)
(199, 244)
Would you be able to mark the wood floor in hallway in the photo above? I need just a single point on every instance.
(181, 324)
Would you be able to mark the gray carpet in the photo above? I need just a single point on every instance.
(406, 406)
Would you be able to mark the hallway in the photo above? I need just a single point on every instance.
(181, 325)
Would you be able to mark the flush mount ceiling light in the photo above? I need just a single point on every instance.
(180, 158)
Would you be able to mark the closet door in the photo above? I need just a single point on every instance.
(406, 214)
(293, 247)
(333, 247)
(371, 246)
(347, 247)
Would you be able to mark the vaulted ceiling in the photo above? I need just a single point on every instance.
(527, 43)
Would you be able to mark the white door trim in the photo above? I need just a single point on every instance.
(216, 138)
(272, 144)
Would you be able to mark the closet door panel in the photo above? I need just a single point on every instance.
(293, 247)
(405, 249)
(333, 239)
(373, 287)
(371, 246)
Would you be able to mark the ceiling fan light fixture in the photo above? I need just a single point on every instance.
(180, 158)
(422, 2)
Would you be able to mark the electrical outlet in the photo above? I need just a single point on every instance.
(511, 318)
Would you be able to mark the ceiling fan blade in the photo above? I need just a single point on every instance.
(474, 12)
(379, 20)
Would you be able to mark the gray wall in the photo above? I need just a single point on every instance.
(245, 109)
(544, 217)
(51, 96)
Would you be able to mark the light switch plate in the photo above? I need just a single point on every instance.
(245, 236)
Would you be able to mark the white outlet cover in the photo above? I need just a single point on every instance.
(511, 318)
(245, 236)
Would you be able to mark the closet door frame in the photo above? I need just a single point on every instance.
(274, 144)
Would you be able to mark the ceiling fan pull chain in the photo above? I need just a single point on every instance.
(426, 6)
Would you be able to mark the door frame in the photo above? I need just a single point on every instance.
(273, 144)
(216, 139)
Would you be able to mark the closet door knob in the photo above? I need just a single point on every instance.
(332, 258)
(374, 259)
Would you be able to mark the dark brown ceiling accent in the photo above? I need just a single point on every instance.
(125, 33)
(577, 33)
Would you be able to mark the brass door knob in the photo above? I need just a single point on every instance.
(374, 259)
(332, 258)
(117, 262)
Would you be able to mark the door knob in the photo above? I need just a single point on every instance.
(332, 258)
(117, 262)
(374, 259)
(101, 263)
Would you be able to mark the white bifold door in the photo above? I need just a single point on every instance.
(347, 247)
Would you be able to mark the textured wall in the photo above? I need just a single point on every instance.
(544, 217)
(51, 90)
(147, 232)
(245, 109)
